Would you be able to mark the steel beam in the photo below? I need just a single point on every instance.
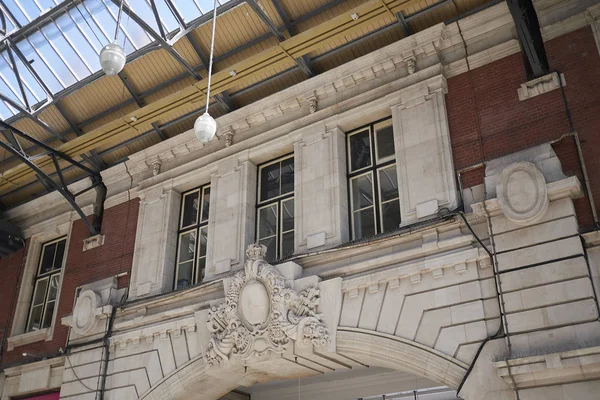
(162, 42)
(301, 61)
(130, 89)
(306, 62)
(530, 37)
(159, 132)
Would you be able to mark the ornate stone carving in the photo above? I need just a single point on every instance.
(411, 65)
(228, 139)
(261, 315)
(522, 193)
(156, 167)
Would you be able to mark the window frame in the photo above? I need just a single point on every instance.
(38, 277)
(196, 227)
(277, 200)
(373, 168)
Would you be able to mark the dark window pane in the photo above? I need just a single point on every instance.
(187, 246)
(271, 244)
(385, 142)
(60, 252)
(201, 268)
(184, 275)
(267, 221)
(390, 215)
(364, 223)
(35, 319)
(287, 244)
(287, 175)
(190, 209)
(388, 183)
(205, 204)
(269, 181)
(203, 240)
(39, 296)
(48, 315)
(360, 150)
(287, 213)
(47, 261)
(362, 191)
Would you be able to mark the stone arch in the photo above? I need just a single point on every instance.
(197, 380)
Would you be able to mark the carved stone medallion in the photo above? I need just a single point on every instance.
(522, 193)
(261, 315)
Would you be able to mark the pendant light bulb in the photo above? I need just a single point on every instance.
(205, 128)
(112, 59)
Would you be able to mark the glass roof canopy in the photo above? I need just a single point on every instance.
(65, 49)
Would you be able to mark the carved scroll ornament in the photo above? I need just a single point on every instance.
(261, 315)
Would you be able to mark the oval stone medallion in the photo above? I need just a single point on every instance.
(255, 302)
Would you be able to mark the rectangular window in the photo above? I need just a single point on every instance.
(275, 210)
(192, 237)
(373, 184)
(45, 289)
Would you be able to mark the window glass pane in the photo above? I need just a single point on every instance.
(185, 275)
(287, 175)
(271, 244)
(388, 184)
(267, 221)
(48, 314)
(40, 292)
(287, 244)
(205, 204)
(190, 209)
(47, 259)
(35, 319)
(287, 214)
(201, 269)
(54, 280)
(390, 215)
(187, 246)
(385, 142)
(203, 240)
(360, 150)
(362, 191)
(269, 181)
(364, 223)
(60, 252)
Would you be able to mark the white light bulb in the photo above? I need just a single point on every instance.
(205, 128)
(112, 59)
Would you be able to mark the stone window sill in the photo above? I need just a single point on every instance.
(541, 85)
(27, 338)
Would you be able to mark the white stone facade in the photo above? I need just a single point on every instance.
(428, 300)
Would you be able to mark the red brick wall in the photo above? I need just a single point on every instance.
(483, 106)
(114, 257)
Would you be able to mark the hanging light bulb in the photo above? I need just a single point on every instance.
(205, 126)
(112, 59)
(112, 56)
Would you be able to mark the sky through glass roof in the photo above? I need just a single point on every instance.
(65, 49)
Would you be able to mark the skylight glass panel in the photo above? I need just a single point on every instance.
(83, 45)
(17, 11)
(55, 62)
(39, 66)
(166, 16)
(65, 50)
(11, 85)
(188, 10)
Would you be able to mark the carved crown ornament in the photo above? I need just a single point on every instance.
(262, 316)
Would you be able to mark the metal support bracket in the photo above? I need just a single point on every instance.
(14, 147)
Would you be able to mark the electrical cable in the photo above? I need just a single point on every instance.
(212, 50)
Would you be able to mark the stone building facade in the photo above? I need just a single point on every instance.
(420, 220)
